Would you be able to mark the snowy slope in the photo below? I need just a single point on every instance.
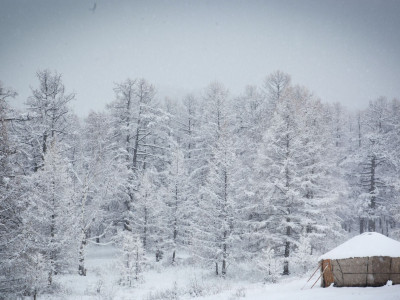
(291, 290)
(186, 282)
(365, 245)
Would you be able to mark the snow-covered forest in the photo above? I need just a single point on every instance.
(266, 180)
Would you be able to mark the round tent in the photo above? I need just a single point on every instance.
(369, 259)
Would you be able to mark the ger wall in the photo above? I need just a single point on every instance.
(362, 271)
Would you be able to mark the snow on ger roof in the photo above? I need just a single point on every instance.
(365, 245)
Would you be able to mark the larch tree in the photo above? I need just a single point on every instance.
(378, 161)
(279, 187)
(132, 259)
(251, 120)
(320, 182)
(50, 116)
(217, 207)
(177, 202)
(94, 182)
(12, 202)
(187, 167)
(275, 86)
(148, 218)
(216, 202)
(49, 223)
(133, 116)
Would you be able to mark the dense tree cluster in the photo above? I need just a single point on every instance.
(270, 177)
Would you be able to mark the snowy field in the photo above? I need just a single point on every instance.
(185, 282)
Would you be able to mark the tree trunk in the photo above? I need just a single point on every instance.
(285, 267)
(175, 233)
(224, 254)
(145, 228)
(224, 245)
(81, 267)
(223, 271)
(137, 264)
(52, 241)
(362, 225)
(287, 250)
(372, 188)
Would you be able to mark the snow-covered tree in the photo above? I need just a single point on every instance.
(321, 184)
(12, 202)
(132, 259)
(275, 86)
(302, 258)
(269, 264)
(216, 232)
(36, 276)
(295, 177)
(218, 197)
(133, 117)
(49, 223)
(277, 167)
(377, 159)
(148, 217)
(50, 117)
(178, 210)
(95, 182)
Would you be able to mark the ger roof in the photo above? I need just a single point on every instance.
(367, 244)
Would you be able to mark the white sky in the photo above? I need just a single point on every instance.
(343, 50)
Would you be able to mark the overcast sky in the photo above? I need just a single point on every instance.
(342, 50)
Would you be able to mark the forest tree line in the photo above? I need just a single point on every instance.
(271, 177)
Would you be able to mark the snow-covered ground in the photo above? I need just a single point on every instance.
(186, 282)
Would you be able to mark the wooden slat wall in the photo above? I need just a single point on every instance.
(328, 274)
(361, 271)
